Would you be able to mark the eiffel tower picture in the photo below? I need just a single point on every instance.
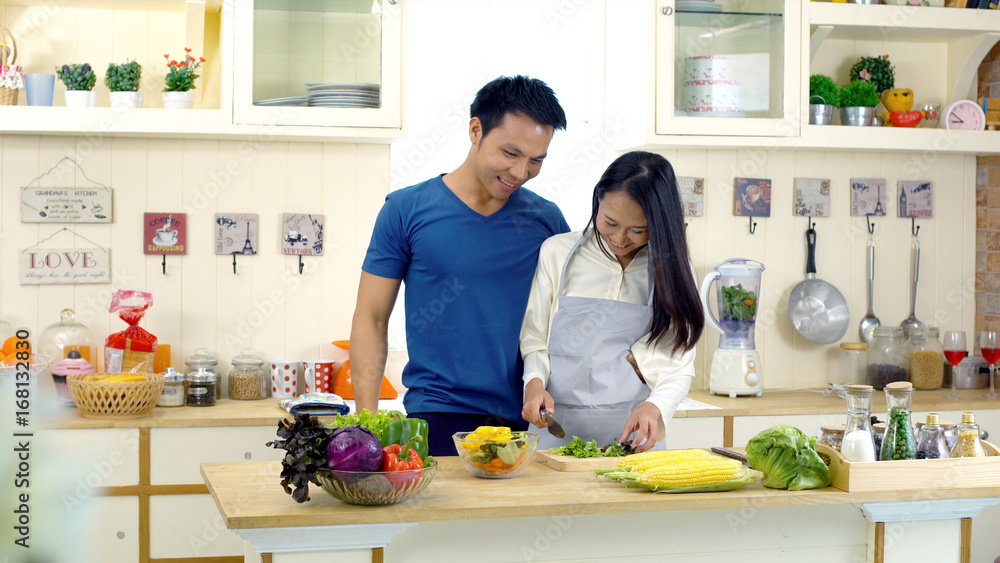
(878, 203)
(248, 246)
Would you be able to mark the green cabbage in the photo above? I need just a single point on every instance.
(787, 458)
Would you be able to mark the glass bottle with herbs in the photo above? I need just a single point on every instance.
(887, 361)
(931, 443)
(926, 358)
(898, 442)
(967, 443)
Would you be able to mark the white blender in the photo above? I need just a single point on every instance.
(736, 368)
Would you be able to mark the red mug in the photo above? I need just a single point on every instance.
(318, 375)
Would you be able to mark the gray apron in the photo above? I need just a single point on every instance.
(594, 386)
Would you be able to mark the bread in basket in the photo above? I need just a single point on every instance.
(115, 395)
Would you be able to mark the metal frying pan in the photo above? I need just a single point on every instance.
(817, 310)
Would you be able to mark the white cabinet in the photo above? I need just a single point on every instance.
(331, 64)
(727, 68)
(175, 454)
(257, 50)
(936, 52)
(183, 526)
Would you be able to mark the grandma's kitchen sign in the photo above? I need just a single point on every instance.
(66, 205)
(49, 266)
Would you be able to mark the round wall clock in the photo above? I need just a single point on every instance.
(965, 115)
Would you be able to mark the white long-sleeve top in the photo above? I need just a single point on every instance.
(591, 273)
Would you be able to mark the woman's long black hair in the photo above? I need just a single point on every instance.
(649, 180)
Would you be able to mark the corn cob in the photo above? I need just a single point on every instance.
(645, 460)
(676, 471)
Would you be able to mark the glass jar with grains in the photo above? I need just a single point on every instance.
(926, 358)
(967, 442)
(887, 361)
(248, 380)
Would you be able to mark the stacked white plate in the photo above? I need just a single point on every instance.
(698, 6)
(295, 101)
(343, 95)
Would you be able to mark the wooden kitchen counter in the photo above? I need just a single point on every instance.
(548, 515)
(249, 495)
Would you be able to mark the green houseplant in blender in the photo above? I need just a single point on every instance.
(123, 80)
(79, 80)
(857, 103)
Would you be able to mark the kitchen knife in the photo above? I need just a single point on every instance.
(554, 428)
(731, 454)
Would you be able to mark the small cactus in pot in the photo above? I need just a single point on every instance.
(77, 77)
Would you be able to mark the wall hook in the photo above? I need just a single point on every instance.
(234, 264)
(300, 264)
(871, 226)
(812, 224)
(914, 227)
(164, 264)
(753, 225)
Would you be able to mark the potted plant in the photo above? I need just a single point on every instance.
(123, 81)
(180, 80)
(857, 103)
(79, 81)
(824, 95)
(877, 70)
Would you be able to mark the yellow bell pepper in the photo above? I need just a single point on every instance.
(474, 441)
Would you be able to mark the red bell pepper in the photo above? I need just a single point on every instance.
(403, 458)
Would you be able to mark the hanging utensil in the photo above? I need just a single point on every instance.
(912, 321)
(818, 311)
(869, 321)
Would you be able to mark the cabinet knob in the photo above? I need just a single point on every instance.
(667, 10)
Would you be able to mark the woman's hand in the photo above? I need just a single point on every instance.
(644, 422)
(536, 397)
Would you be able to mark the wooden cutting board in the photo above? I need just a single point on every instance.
(571, 463)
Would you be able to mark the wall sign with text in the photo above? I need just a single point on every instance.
(66, 205)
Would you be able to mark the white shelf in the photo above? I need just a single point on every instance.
(164, 123)
(140, 5)
(901, 23)
(843, 138)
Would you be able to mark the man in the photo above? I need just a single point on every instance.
(466, 244)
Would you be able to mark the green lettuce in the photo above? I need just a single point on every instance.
(788, 459)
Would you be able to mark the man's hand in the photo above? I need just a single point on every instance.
(535, 397)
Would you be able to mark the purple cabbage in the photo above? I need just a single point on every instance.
(354, 448)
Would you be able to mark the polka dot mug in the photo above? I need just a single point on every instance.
(284, 378)
(318, 375)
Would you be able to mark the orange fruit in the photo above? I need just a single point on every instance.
(10, 347)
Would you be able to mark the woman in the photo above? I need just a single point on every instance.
(622, 287)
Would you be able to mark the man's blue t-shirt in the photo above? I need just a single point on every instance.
(466, 280)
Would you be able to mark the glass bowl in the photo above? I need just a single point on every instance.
(493, 459)
(375, 488)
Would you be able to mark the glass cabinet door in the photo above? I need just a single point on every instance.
(317, 62)
(727, 67)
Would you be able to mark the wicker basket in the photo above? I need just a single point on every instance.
(125, 399)
(8, 54)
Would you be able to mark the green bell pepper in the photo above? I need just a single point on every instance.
(401, 430)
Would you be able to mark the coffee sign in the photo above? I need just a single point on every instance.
(164, 233)
(49, 266)
(66, 205)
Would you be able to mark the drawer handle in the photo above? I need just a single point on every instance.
(121, 535)
(667, 10)
(248, 456)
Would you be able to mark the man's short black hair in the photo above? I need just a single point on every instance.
(510, 94)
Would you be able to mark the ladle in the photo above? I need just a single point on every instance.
(912, 321)
(869, 321)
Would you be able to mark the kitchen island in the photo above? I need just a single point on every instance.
(548, 515)
(143, 489)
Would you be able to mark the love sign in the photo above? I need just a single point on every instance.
(47, 266)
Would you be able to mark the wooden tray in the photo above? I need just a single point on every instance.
(571, 463)
(913, 474)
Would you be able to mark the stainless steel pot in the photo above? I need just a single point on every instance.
(857, 116)
(820, 114)
(972, 373)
